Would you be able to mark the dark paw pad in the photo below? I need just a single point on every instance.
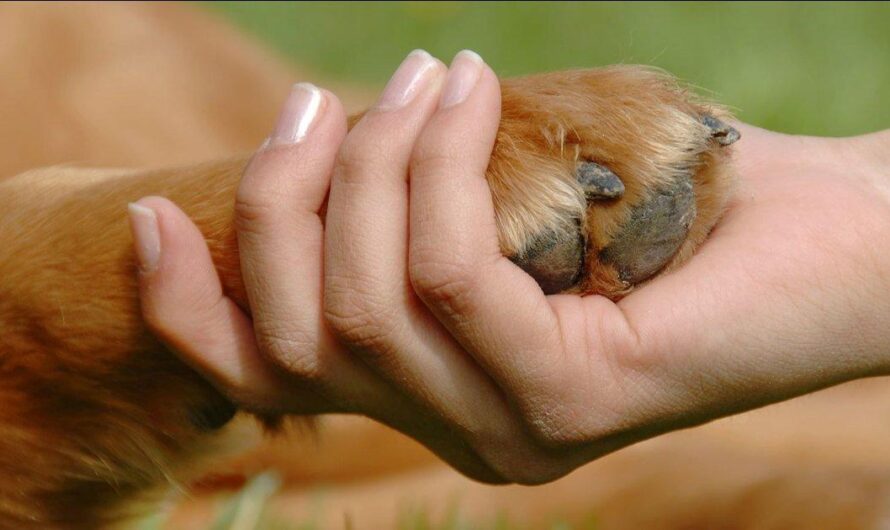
(656, 229)
(555, 261)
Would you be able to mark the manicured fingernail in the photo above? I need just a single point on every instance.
(466, 67)
(144, 225)
(300, 111)
(409, 80)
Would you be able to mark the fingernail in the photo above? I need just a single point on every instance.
(144, 225)
(462, 77)
(408, 81)
(300, 111)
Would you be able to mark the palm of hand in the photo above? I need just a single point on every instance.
(785, 296)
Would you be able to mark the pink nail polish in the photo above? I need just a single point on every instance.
(146, 235)
(300, 111)
(408, 80)
(462, 77)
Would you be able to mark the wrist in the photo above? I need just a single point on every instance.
(858, 168)
(871, 154)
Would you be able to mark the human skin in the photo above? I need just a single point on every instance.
(425, 326)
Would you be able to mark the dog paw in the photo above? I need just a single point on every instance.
(602, 179)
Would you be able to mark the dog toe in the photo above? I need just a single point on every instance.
(598, 181)
(554, 260)
(653, 233)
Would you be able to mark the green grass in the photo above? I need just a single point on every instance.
(815, 68)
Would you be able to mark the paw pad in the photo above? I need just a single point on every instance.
(555, 261)
(653, 233)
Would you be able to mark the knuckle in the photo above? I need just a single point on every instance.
(551, 427)
(253, 210)
(357, 158)
(443, 151)
(442, 282)
(357, 320)
(292, 350)
(427, 159)
(563, 427)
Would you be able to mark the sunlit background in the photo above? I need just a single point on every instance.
(813, 68)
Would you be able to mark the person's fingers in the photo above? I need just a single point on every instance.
(367, 216)
(539, 349)
(280, 233)
(280, 240)
(369, 303)
(454, 253)
(183, 303)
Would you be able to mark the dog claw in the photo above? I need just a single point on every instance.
(598, 181)
(721, 132)
(656, 229)
(555, 261)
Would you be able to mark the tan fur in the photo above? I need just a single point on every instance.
(93, 410)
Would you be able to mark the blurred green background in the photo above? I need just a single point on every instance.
(814, 68)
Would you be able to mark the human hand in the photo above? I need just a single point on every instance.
(283, 358)
(456, 346)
